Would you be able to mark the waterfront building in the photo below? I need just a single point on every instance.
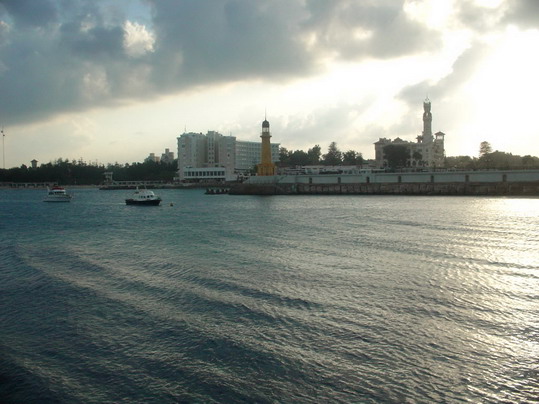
(427, 152)
(204, 174)
(248, 155)
(152, 157)
(207, 157)
(192, 150)
(167, 156)
(214, 156)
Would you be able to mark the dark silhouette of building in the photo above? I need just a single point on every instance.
(427, 151)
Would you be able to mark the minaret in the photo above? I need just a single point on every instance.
(266, 166)
(427, 121)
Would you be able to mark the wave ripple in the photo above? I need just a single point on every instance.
(245, 299)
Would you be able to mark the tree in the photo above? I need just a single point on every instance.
(503, 161)
(299, 158)
(484, 149)
(352, 158)
(333, 157)
(460, 162)
(314, 155)
(530, 161)
(396, 155)
(284, 157)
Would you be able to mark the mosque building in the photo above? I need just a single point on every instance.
(427, 151)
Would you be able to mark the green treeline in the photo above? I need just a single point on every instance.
(495, 160)
(398, 156)
(73, 172)
(65, 172)
(313, 156)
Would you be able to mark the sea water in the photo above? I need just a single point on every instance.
(288, 299)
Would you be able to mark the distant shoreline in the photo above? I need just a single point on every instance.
(44, 187)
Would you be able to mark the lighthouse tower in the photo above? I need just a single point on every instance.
(427, 122)
(266, 166)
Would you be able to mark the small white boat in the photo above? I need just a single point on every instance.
(57, 194)
(143, 197)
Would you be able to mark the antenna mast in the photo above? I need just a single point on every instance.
(3, 148)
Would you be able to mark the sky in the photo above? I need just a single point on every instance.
(110, 81)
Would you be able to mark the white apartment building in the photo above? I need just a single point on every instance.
(214, 156)
(248, 155)
(206, 157)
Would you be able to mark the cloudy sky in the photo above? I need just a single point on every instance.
(113, 80)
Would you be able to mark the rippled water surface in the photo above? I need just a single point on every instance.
(222, 298)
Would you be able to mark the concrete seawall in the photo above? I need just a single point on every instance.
(456, 188)
(481, 182)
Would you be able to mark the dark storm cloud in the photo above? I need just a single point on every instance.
(98, 42)
(62, 55)
(524, 13)
(521, 13)
(357, 29)
(31, 12)
(227, 40)
(475, 17)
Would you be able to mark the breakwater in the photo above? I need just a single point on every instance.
(493, 189)
(522, 182)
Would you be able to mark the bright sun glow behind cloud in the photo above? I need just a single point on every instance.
(503, 94)
(137, 39)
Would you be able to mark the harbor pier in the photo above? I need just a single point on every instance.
(494, 183)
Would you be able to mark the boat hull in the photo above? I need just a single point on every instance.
(148, 202)
(58, 200)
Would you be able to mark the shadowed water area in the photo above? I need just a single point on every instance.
(302, 299)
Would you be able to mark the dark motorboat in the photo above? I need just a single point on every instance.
(143, 197)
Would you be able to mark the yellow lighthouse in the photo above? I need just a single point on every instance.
(266, 166)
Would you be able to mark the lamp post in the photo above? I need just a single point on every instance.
(3, 149)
